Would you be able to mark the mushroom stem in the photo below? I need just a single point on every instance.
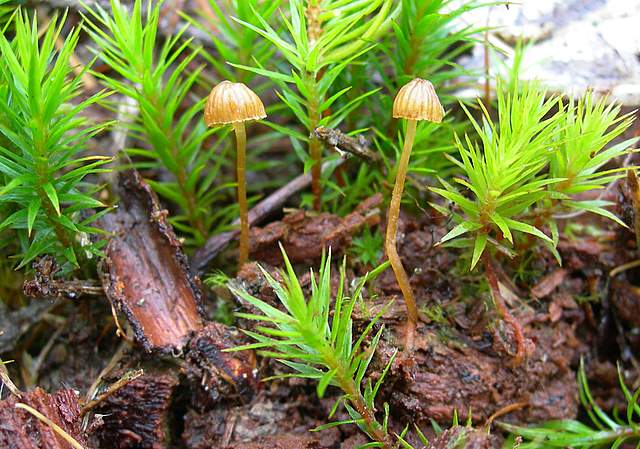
(390, 240)
(241, 144)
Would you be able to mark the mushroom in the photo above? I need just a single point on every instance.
(416, 100)
(235, 104)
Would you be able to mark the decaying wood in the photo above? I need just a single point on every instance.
(305, 236)
(286, 441)
(270, 205)
(476, 378)
(19, 429)
(138, 415)
(145, 273)
(273, 420)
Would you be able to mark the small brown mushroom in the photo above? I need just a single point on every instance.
(235, 104)
(415, 101)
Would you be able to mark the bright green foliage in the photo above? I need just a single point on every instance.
(42, 137)
(233, 42)
(347, 31)
(508, 172)
(608, 431)
(505, 173)
(316, 340)
(159, 82)
(586, 129)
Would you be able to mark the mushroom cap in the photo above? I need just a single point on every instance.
(417, 100)
(232, 103)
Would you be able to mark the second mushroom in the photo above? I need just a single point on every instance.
(417, 100)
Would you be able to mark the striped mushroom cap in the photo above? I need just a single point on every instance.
(231, 103)
(417, 100)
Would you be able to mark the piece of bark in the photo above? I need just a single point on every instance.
(145, 273)
(548, 283)
(305, 236)
(217, 375)
(626, 302)
(139, 414)
(19, 429)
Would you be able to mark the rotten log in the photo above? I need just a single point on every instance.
(474, 378)
(274, 420)
(145, 273)
(20, 429)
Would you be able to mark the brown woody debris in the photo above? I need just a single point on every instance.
(305, 235)
(145, 273)
(19, 429)
(287, 441)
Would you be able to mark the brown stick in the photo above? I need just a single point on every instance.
(503, 311)
(124, 380)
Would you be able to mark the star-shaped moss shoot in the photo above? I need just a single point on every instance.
(415, 101)
(234, 104)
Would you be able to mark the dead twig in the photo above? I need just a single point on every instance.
(45, 285)
(347, 145)
(114, 387)
(91, 392)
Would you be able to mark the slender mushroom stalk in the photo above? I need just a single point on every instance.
(415, 101)
(235, 104)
